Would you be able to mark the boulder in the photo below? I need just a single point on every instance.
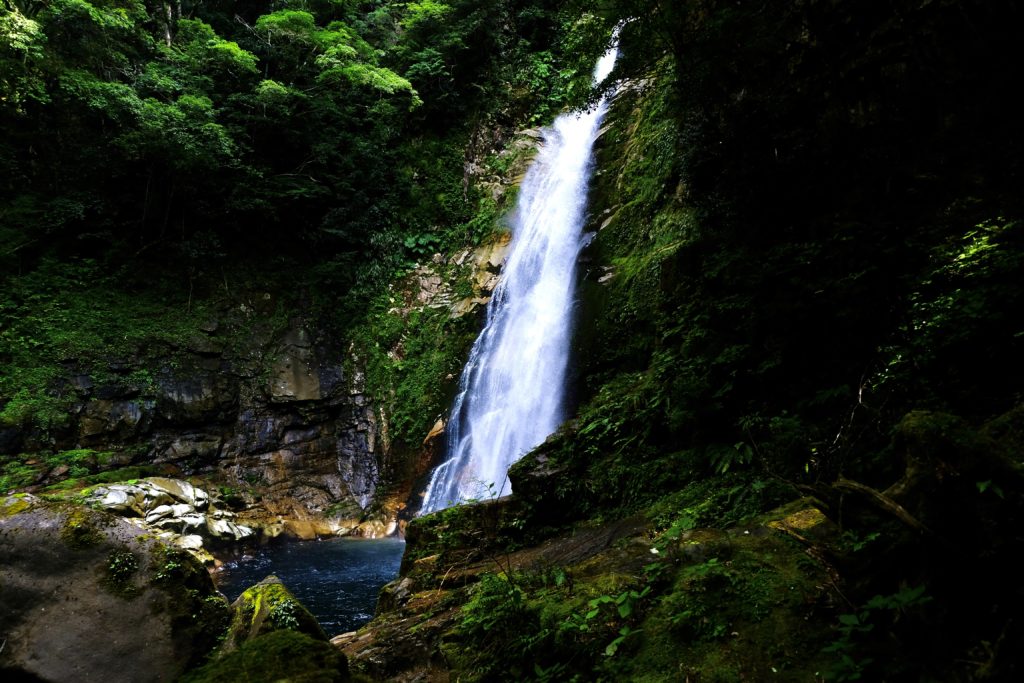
(224, 529)
(173, 505)
(269, 606)
(87, 595)
(190, 542)
(181, 491)
(277, 656)
(122, 499)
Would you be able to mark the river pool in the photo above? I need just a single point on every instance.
(337, 579)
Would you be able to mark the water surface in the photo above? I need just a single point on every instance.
(336, 579)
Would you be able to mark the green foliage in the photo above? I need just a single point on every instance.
(76, 311)
(724, 457)
(719, 502)
(122, 566)
(31, 402)
(856, 542)
(182, 133)
(80, 461)
(22, 44)
(16, 474)
(962, 315)
(605, 609)
(853, 627)
(500, 629)
(19, 33)
(284, 614)
(476, 58)
(199, 47)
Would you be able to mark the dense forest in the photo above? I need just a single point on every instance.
(802, 300)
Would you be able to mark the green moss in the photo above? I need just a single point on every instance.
(269, 606)
(121, 475)
(199, 614)
(412, 363)
(12, 505)
(121, 569)
(80, 529)
(16, 474)
(273, 657)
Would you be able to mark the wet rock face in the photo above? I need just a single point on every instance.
(274, 415)
(88, 596)
(308, 440)
(196, 400)
(122, 419)
(308, 462)
(295, 372)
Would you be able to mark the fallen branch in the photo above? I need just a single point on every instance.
(883, 502)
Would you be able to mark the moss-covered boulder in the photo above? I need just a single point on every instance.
(276, 656)
(616, 601)
(273, 637)
(86, 595)
(266, 607)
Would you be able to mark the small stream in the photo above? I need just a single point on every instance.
(337, 579)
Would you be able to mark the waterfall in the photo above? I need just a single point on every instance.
(512, 389)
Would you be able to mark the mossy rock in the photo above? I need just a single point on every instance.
(267, 607)
(12, 505)
(748, 604)
(467, 531)
(86, 595)
(615, 601)
(281, 655)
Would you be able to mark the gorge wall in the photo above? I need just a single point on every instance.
(304, 429)
(272, 414)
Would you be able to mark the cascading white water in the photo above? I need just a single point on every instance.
(511, 391)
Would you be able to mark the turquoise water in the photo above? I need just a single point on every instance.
(337, 579)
